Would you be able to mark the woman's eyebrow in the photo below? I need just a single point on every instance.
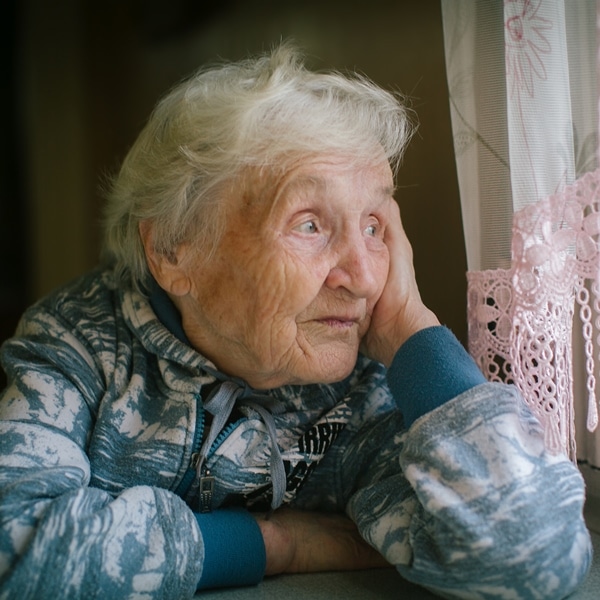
(303, 183)
(319, 184)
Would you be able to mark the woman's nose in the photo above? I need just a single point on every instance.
(354, 269)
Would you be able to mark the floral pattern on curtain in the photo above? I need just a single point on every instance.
(523, 85)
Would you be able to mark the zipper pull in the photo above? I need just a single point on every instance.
(195, 460)
(206, 485)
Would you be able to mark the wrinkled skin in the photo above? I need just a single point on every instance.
(312, 267)
(290, 292)
(291, 289)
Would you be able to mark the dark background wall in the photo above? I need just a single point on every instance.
(81, 77)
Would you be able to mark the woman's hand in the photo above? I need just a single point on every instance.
(306, 542)
(399, 312)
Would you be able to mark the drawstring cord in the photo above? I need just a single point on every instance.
(277, 466)
(219, 405)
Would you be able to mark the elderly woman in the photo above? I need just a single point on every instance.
(252, 384)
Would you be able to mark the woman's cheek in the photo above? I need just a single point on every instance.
(382, 267)
(306, 261)
(303, 245)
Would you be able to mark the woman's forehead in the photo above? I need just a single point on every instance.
(316, 174)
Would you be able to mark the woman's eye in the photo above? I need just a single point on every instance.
(307, 227)
(372, 229)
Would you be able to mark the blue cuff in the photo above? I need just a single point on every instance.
(234, 551)
(429, 369)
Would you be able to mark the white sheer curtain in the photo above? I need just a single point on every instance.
(523, 83)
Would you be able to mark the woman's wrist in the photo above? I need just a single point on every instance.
(279, 545)
(299, 541)
(431, 368)
(233, 548)
(384, 345)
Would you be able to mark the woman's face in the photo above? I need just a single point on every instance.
(290, 290)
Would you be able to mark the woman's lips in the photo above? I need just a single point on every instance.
(339, 322)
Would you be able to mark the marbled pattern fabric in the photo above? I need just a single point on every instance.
(103, 414)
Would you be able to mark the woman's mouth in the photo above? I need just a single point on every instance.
(338, 322)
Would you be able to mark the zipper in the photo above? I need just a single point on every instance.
(199, 490)
(189, 476)
(204, 481)
(225, 432)
(206, 486)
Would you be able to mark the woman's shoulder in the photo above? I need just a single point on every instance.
(88, 296)
(83, 313)
(74, 333)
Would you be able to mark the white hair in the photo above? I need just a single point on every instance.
(264, 112)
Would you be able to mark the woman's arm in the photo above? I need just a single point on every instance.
(59, 536)
(489, 512)
(299, 541)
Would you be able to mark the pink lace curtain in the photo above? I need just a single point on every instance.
(523, 84)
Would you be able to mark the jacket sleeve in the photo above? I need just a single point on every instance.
(475, 506)
(60, 537)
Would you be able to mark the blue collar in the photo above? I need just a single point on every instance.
(166, 311)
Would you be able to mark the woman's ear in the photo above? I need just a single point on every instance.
(168, 270)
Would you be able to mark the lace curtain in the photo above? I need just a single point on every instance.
(523, 84)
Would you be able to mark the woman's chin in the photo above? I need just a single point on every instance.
(331, 371)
